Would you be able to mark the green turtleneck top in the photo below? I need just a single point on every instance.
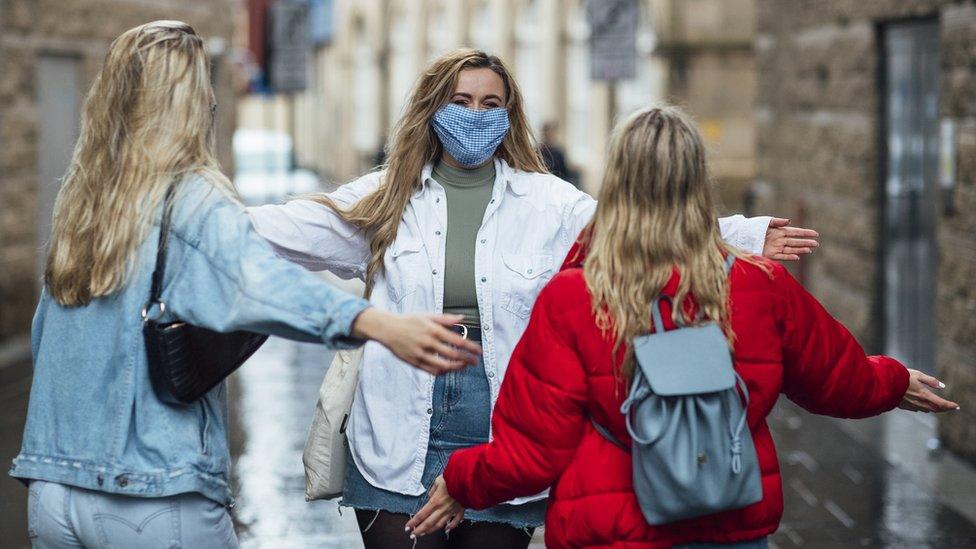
(468, 193)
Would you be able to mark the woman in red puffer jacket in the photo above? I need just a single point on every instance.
(654, 233)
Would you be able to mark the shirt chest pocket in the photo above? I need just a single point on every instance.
(524, 276)
(406, 268)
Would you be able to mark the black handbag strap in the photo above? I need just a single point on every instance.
(156, 289)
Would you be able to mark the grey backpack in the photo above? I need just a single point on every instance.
(692, 451)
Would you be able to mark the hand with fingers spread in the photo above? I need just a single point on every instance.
(920, 398)
(441, 511)
(423, 341)
(785, 243)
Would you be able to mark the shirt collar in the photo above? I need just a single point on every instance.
(502, 170)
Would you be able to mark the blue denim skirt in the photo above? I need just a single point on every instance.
(461, 418)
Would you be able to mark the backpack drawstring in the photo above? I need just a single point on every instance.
(736, 455)
(737, 433)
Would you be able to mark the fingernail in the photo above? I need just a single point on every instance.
(413, 536)
(407, 529)
(941, 385)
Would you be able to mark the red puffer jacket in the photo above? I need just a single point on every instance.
(561, 374)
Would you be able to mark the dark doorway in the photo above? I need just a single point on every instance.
(910, 95)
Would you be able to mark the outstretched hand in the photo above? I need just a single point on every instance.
(785, 243)
(423, 341)
(441, 511)
(919, 397)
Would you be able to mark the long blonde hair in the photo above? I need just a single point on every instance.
(413, 144)
(148, 118)
(655, 214)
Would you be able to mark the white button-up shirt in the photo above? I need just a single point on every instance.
(529, 226)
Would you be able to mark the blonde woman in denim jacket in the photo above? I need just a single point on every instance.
(107, 463)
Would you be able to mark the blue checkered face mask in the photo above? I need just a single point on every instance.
(470, 136)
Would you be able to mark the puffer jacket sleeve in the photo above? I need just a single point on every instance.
(539, 417)
(825, 369)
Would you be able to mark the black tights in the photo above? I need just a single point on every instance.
(384, 530)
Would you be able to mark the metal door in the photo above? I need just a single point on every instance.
(911, 109)
(59, 81)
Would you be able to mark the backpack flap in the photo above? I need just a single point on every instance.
(689, 361)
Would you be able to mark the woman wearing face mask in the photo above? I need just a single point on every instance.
(108, 463)
(463, 219)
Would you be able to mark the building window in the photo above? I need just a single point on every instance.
(366, 96)
(528, 55)
(481, 28)
(578, 86)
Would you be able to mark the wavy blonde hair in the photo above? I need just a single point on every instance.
(147, 120)
(413, 144)
(655, 214)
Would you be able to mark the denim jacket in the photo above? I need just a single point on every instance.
(93, 420)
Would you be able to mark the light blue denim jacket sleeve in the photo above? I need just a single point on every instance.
(220, 274)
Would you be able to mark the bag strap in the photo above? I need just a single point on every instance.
(156, 288)
(656, 320)
(608, 435)
(737, 431)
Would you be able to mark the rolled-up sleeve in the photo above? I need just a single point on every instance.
(745, 233)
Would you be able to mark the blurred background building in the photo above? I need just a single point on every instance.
(857, 119)
(366, 54)
(866, 123)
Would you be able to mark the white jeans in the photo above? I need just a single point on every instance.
(64, 516)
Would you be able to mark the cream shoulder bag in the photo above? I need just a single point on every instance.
(325, 447)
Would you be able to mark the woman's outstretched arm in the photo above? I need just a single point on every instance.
(770, 237)
(312, 235)
(826, 371)
(221, 275)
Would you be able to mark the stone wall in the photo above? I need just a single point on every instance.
(707, 48)
(818, 157)
(81, 28)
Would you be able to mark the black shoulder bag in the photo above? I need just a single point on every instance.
(186, 361)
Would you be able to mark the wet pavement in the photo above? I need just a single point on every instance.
(14, 389)
(273, 398)
(849, 484)
(841, 489)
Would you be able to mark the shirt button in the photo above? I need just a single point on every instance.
(430, 411)
(122, 481)
(486, 327)
(438, 233)
(491, 374)
(529, 271)
(483, 241)
(437, 200)
(492, 201)
(434, 271)
(483, 279)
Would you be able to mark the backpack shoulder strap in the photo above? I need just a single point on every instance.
(608, 435)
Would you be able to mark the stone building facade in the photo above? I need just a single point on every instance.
(866, 124)
(50, 50)
(706, 47)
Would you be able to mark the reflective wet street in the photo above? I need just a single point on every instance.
(852, 484)
(271, 409)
